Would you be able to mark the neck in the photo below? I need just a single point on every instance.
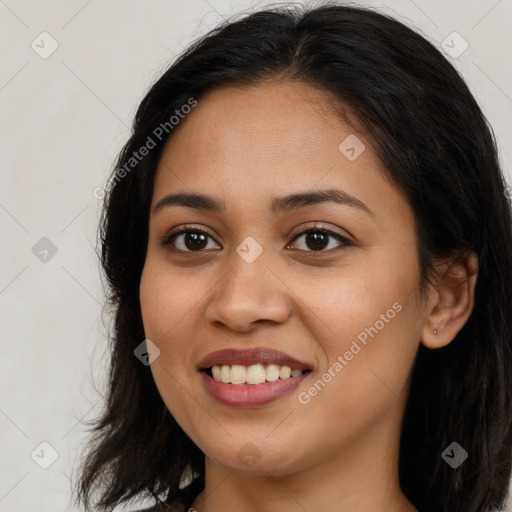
(361, 477)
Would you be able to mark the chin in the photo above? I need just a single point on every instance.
(257, 457)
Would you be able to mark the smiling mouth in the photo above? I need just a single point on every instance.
(255, 374)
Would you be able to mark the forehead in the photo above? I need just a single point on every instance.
(269, 139)
(244, 122)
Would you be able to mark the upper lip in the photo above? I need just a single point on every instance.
(248, 357)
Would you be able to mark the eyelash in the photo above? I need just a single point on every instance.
(169, 237)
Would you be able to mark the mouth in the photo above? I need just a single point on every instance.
(251, 378)
(237, 374)
(251, 357)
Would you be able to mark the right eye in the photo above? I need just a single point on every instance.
(187, 239)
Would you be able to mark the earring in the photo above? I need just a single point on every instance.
(435, 332)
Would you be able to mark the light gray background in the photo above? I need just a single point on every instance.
(63, 119)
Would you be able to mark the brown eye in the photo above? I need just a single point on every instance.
(187, 240)
(316, 240)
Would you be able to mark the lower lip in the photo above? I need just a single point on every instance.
(250, 395)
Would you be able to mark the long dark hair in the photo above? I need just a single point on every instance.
(436, 146)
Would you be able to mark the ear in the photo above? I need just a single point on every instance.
(451, 301)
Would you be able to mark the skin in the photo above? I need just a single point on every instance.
(246, 146)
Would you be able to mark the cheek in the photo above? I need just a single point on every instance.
(170, 302)
(340, 307)
(367, 323)
(366, 374)
(166, 297)
(163, 313)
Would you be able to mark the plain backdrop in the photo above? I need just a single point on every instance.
(64, 116)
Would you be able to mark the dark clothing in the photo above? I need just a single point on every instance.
(163, 507)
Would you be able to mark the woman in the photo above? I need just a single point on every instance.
(308, 247)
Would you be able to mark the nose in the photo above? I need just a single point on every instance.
(249, 294)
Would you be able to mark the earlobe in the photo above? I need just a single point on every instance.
(451, 301)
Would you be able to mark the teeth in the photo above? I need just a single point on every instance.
(285, 372)
(217, 372)
(254, 374)
(225, 373)
(272, 372)
(238, 374)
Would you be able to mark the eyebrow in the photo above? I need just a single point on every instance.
(278, 205)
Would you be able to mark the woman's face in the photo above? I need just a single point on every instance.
(347, 309)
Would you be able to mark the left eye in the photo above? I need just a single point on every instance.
(318, 239)
(196, 240)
